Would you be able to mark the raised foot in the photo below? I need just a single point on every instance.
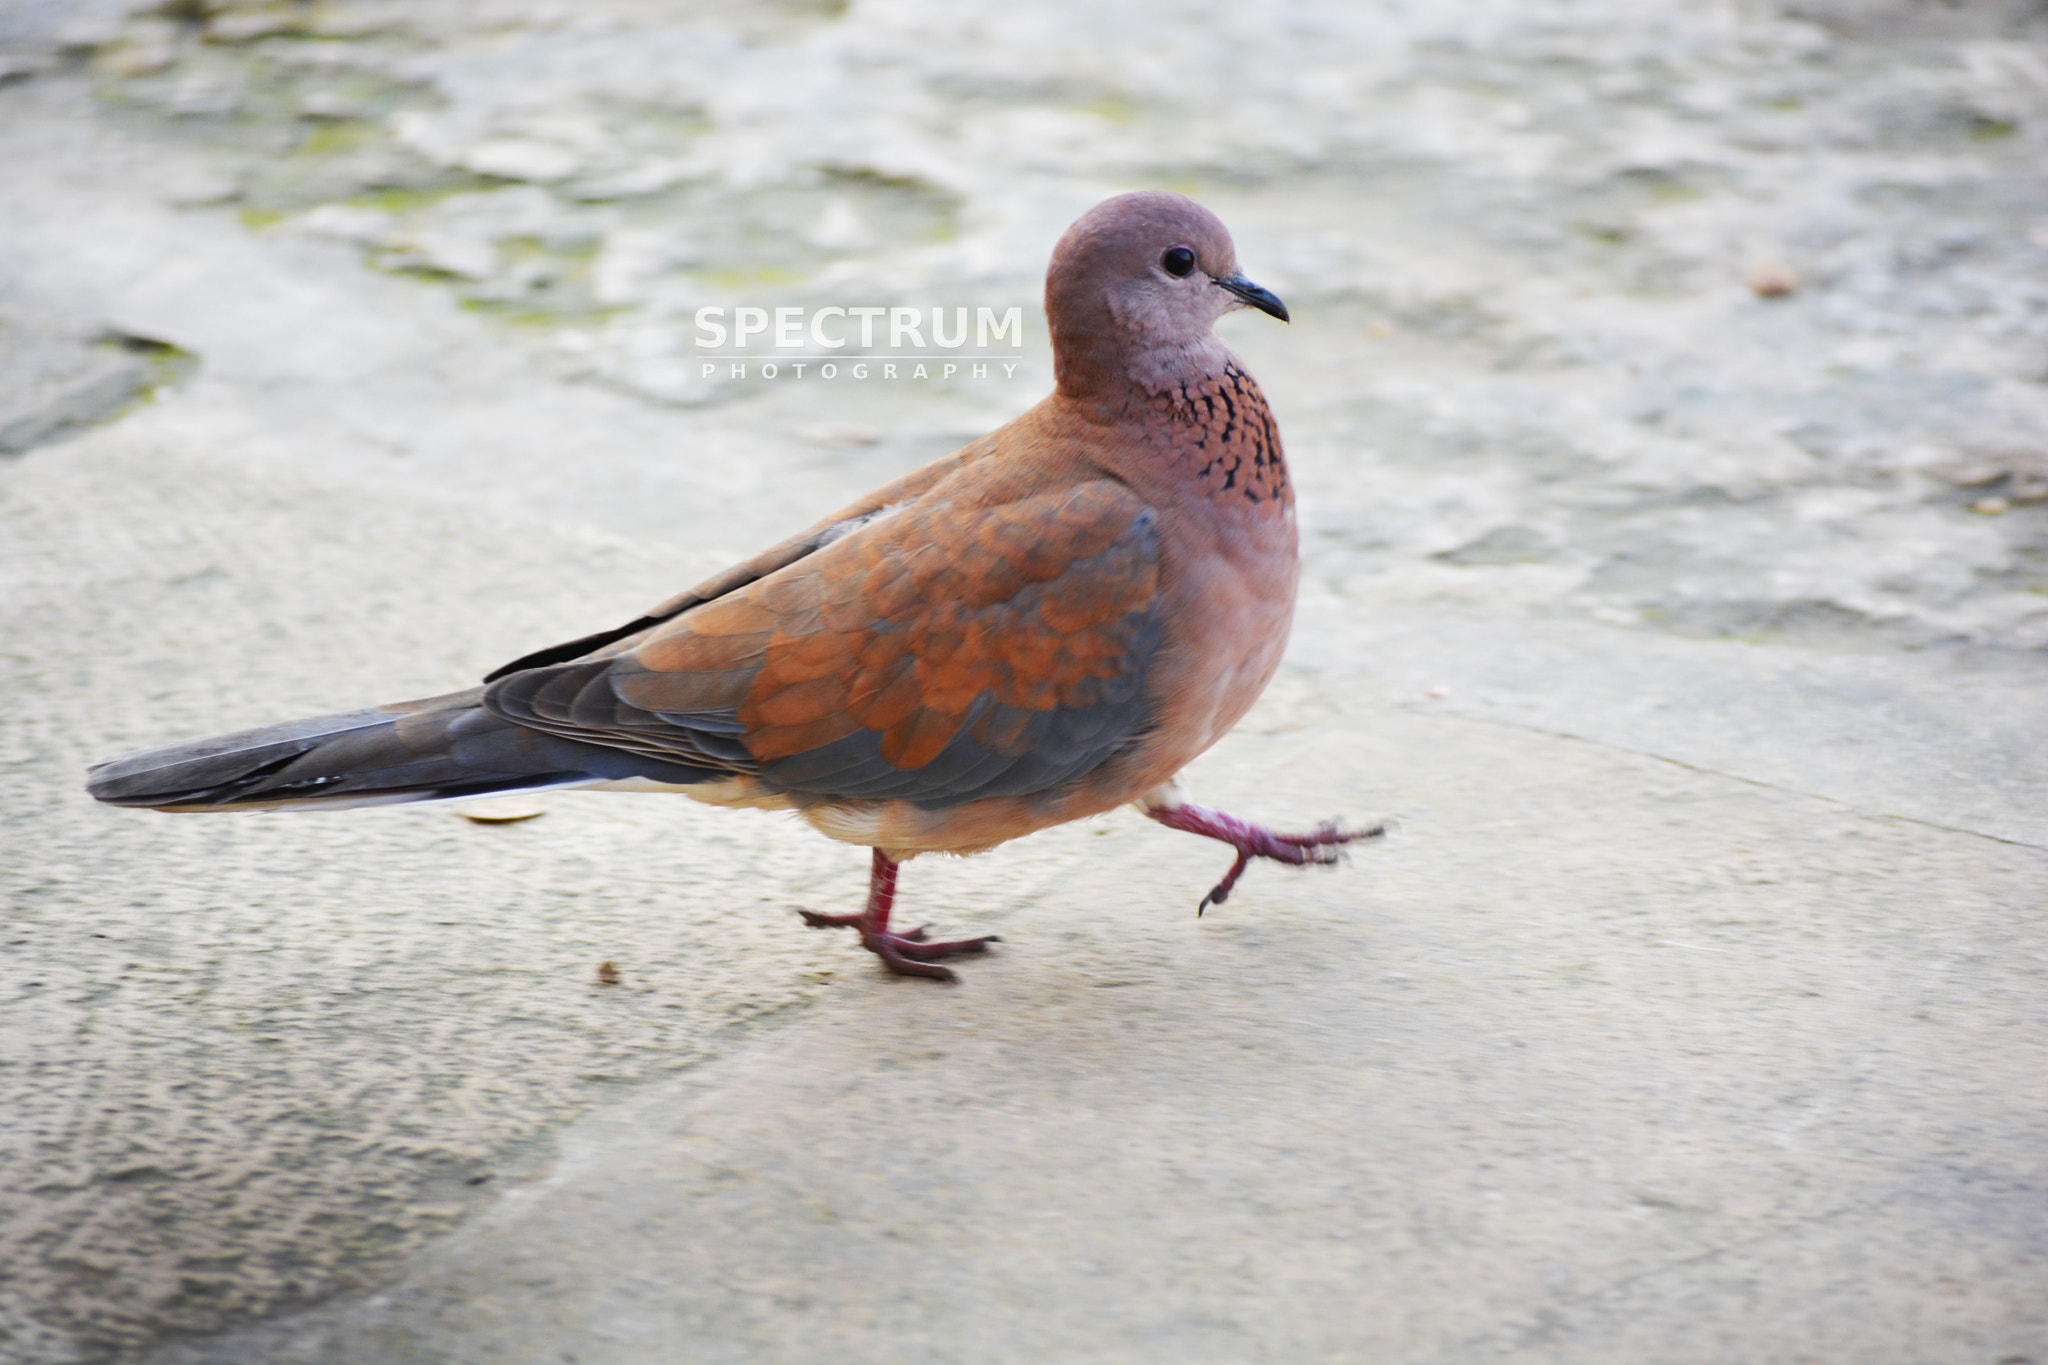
(1321, 846)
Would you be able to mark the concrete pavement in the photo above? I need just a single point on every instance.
(1691, 639)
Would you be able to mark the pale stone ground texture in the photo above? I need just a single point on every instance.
(1668, 401)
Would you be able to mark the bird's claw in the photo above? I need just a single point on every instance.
(1321, 846)
(818, 921)
(908, 956)
(903, 951)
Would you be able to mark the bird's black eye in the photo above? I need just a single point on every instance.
(1177, 261)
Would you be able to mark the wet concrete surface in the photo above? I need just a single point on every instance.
(1665, 398)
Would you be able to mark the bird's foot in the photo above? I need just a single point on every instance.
(904, 952)
(909, 954)
(1322, 846)
(818, 921)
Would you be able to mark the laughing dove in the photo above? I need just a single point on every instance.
(1042, 626)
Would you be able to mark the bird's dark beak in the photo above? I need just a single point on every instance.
(1265, 300)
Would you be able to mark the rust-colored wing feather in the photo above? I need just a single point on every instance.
(941, 654)
(841, 523)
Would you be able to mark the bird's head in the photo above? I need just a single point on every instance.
(1135, 287)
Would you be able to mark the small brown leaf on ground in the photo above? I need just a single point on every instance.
(500, 810)
(1771, 280)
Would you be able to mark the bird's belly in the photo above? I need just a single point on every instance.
(1239, 616)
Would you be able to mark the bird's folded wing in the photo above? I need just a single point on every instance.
(940, 654)
(846, 519)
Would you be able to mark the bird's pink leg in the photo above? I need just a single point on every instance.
(1320, 845)
(904, 952)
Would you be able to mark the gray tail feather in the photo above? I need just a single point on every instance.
(432, 750)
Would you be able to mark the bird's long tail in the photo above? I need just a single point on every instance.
(432, 750)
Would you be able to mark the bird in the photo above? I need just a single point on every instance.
(1047, 624)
